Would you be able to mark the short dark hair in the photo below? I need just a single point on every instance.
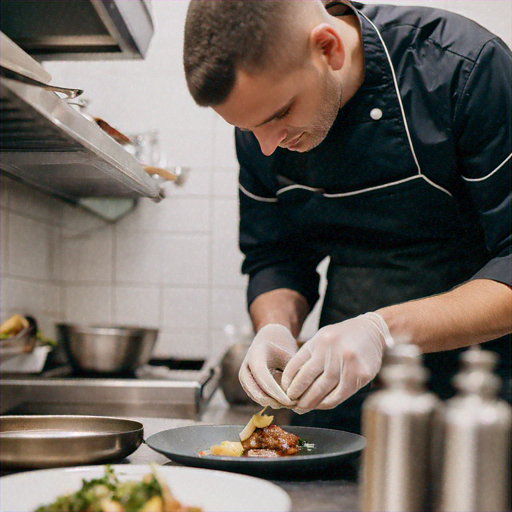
(223, 36)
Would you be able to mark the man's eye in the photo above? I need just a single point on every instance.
(283, 114)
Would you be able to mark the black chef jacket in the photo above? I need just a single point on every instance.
(409, 194)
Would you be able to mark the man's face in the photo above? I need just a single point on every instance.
(292, 110)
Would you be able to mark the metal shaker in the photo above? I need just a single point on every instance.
(475, 429)
(397, 422)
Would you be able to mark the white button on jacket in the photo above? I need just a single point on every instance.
(376, 114)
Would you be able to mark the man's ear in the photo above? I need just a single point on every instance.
(325, 39)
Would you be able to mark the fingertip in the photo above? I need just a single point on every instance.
(293, 367)
(300, 411)
(285, 383)
(289, 374)
(293, 393)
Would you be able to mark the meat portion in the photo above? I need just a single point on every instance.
(272, 438)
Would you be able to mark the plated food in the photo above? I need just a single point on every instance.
(260, 438)
(211, 491)
(331, 448)
(109, 494)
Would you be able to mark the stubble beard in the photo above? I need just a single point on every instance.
(327, 115)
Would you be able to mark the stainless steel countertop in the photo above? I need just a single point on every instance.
(333, 492)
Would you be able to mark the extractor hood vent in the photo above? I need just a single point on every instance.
(78, 29)
(23, 132)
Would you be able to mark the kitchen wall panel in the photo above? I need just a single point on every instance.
(186, 307)
(173, 265)
(87, 257)
(138, 258)
(136, 306)
(30, 248)
(186, 260)
(30, 232)
(88, 304)
(4, 216)
(226, 307)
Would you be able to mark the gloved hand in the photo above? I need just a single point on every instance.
(266, 358)
(338, 361)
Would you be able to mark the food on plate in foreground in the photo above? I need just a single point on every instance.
(271, 441)
(109, 494)
(258, 420)
(260, 438)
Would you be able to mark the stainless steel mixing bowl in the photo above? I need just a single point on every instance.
(107, 349)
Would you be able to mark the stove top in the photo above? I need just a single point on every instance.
(155, 369)
(163, 388)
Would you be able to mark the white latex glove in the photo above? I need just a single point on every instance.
(266, 358)
(338, 361)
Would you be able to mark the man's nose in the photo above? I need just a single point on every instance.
(269, 138)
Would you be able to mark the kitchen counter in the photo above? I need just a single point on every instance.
(333, 492)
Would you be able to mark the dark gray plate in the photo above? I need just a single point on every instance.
(331, 447)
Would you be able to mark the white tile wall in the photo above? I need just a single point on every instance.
(228, 307)
(4, 225)
(227, 262)
(186, 260)
(137, 306)
(185, 308)
(87, 257)
(174, 265)
(138, 257)
(28, 247)
(175, 214)
(183, 343)
(30, 254)
(88, 304)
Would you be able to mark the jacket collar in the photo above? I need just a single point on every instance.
(375, 60)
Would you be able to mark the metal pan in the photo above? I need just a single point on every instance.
(36, 442)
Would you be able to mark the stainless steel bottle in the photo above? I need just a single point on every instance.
(397, 423)
(475, 429)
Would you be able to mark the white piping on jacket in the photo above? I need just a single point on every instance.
(395, 82)
(362, 191)
(257, 198)
(483, 178)
(305, 187)
(377, 187)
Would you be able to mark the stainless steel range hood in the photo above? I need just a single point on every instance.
(78, 29)
(46, 143)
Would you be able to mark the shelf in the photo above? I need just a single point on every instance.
(48, 144)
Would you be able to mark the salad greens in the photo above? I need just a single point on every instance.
(109, 494)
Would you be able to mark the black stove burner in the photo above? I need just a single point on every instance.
(70, 372)
(178, 364)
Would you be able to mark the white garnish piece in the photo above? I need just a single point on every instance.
(259, 420)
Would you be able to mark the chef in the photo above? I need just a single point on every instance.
(377, 136)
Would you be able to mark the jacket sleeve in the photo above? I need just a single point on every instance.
(275, 254)
(482, 124)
